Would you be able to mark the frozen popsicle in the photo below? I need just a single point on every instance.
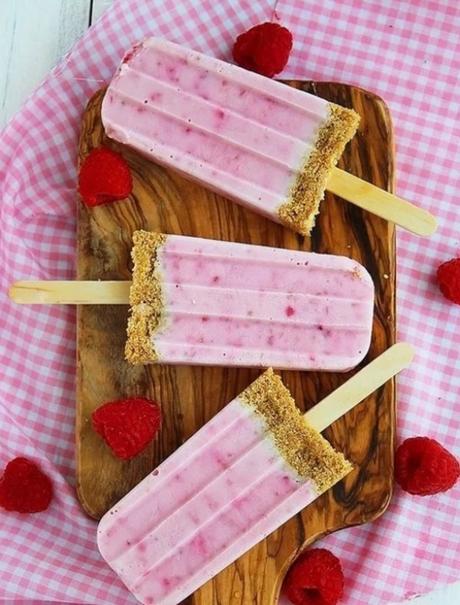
(266, 145)
(248, 470)
(209, 302)
(250, 138)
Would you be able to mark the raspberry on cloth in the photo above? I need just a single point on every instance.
(448, 276)
(423, 467)
(24, 487)
(265, 48)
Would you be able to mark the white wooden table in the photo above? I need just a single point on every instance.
(35, 35)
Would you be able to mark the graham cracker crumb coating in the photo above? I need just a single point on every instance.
(301, 446)
(147, 305)
(303, 202)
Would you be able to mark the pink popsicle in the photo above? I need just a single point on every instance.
(252, 467)
(208, 302)
(268, 146)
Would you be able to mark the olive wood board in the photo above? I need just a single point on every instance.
(162, 200)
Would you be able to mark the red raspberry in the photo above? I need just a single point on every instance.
(127, 425)
(24, 488)
(264, 48)
(315, 578)
(104, 177)
(448, 276)
(423, 467)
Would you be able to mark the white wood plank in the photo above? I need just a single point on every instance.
(98, 8)
(35, 36)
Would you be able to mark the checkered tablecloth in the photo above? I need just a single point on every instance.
(408, 52)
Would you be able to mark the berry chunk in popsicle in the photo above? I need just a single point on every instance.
(208, 302)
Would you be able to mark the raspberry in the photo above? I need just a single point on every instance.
(104, 177)
(24, 488)
(264, 48)
(423, 467)
(315, 578)
(127, 425)
(448, 276)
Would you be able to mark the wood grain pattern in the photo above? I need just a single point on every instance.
(162, 200)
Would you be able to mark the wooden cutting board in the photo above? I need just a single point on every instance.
(189, 396)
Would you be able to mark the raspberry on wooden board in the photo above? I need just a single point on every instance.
(127, 425)
(104, 177)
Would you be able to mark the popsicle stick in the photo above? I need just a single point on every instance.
(360, 386)
(381, 202)
(70, 292)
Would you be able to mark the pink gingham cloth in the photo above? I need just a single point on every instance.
(408, 53)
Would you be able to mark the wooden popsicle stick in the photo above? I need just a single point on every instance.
(381, 202)
(70, 292)
(360, 386)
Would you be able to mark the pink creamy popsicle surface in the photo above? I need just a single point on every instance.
(266, 145)
(247, 471)
(209, 302)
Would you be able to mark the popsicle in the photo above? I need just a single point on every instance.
(209, 302)
(266, 145)
(248, 470)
